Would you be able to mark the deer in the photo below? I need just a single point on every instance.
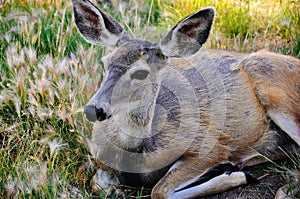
(181, 119)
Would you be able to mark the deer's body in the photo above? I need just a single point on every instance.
(248, 127)
(169, 112)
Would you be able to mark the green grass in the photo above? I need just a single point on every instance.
(245, 25)
(48, 73)
(291, 172)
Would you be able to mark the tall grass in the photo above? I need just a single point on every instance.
(42, 126)
(245, 25)
(48, 73)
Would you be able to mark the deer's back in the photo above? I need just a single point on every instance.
(276, 80)
(231, 110)
(252, 85)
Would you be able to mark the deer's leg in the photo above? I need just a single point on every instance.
(190, 177)
(287, 121)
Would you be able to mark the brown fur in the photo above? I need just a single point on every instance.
(165, 120)
(276, 80)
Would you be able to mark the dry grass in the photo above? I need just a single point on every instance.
(246, 25)
(42, 124)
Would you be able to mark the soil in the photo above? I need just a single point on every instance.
(270, 182)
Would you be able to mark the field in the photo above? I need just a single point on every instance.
(48, 73)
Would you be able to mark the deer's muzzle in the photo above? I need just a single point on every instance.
(92, 113)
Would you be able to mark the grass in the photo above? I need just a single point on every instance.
(246, 25)
(291, 172)
(48, 73)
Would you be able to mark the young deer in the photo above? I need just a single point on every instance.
(173, 115)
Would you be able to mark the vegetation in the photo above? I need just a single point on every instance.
(248, 25)
(48, 72)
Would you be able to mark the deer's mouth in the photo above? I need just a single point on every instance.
(93, 113)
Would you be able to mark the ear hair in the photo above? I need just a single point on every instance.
(189, 34)
(96, 26)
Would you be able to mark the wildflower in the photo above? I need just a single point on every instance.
(43, 68)
(48, 62)
(36, 175)
(5, 96)
(44, 113)
(285, 22)
(17, 104)
(10, 187)
(63, 67)
(11, 53)
(74, 58)
(31, 54)
(55, 145)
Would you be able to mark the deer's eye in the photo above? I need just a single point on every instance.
(140, 74)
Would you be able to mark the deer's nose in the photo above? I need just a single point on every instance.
(93, 113)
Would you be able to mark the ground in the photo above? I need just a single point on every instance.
(270, 182)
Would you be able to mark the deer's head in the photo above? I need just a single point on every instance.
(134, 68)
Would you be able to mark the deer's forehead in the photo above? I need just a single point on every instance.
(128, 53)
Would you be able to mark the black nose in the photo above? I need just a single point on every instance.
(93, 113)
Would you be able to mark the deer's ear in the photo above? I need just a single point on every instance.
(189, 34)
(96, 26)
